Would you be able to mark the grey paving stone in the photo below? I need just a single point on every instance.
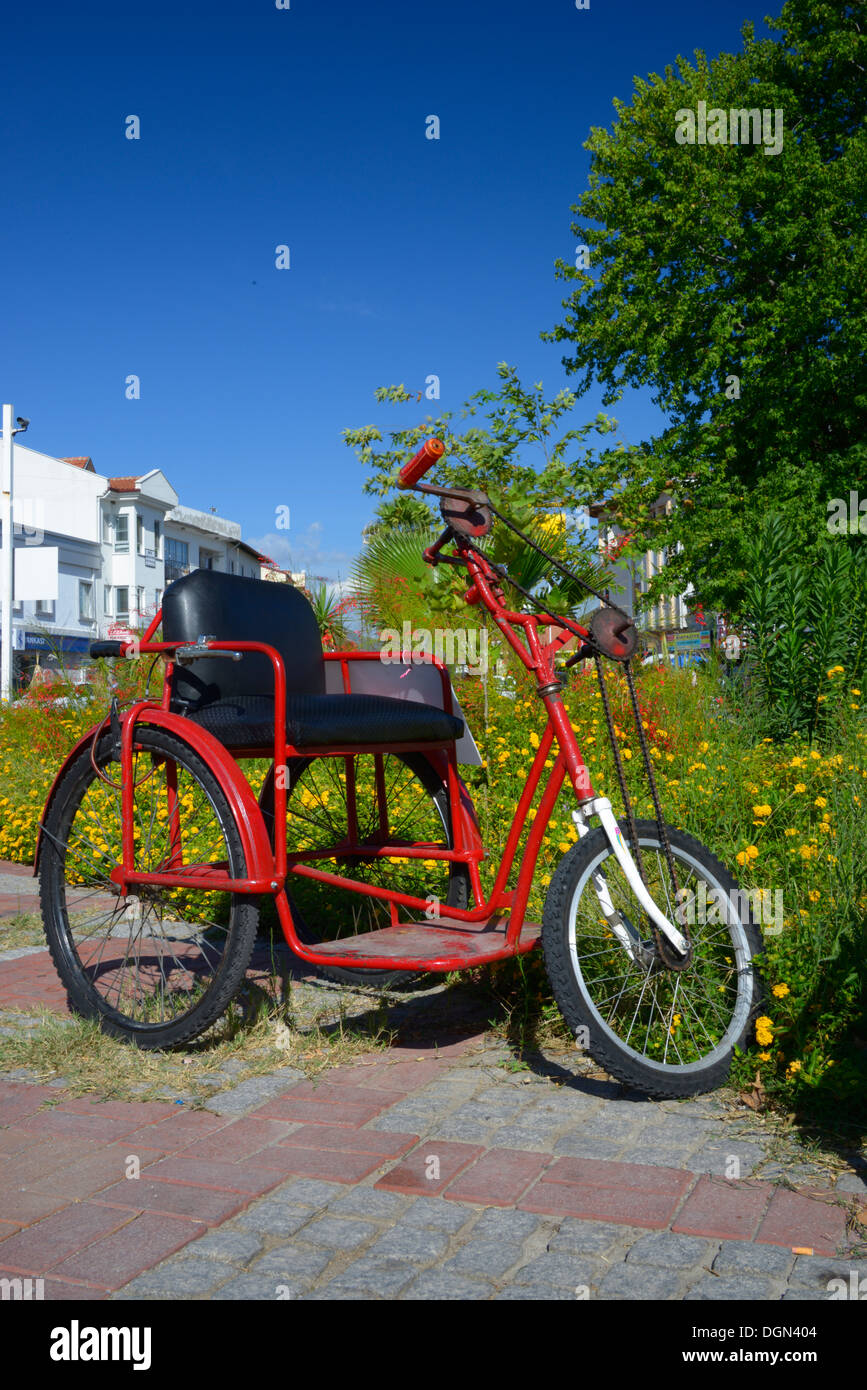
(407, 1241)
(465, 1131)
(370, 1202)
(851, 1182)
(743, 1256)
(578, 1145)
(337, 1233)
(307, 1192)
(536, 1293)
(254, 1092)
(180, 1279)
(732, 1288)
(590, 1237)
(416, 1122)
(639, 1282)
(381, 1276)
(481, 1112)
(714, 1158)
(330, 1294)
(670, 1251)
(293, 1263)
(437, 1212)
(434, 1284)
(235, 1247)
(484, 1258)
(273, 1218)
(250, 1287)
(521, 1137)
(617, 1126)
(669, 1156)
(502, 1094)
(560, 1269)
(566, 1101)
(678, 1128)
(499, 1223)
(816, 1271)
(806, 1296)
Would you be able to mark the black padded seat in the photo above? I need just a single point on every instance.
(234, 700)
(321, 721)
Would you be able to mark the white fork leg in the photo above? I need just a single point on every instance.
(600, 806)
(627, 938)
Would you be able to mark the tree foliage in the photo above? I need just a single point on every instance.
(710, 262)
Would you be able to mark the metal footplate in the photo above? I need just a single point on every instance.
(446, 944)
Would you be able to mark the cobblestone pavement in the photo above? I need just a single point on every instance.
(424, 1172)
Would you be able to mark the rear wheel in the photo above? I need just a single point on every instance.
(159, 966)
(666, 1032)
(406, 789)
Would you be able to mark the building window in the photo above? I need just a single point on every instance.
(139, 535)
(106, 600)
(121, 534)
(85, 600)
(158, 597)
(45, 608)
(106, 528)
(140, 600)
(121, 610)
(157, 529)
(177, 558)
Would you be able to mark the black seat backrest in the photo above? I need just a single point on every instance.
(229, 607)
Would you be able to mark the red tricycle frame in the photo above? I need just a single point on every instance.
(270, 868)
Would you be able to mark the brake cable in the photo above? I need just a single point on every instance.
(666, 954)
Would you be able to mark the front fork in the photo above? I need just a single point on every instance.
(622, 929)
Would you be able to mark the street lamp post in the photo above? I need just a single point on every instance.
(7, 569)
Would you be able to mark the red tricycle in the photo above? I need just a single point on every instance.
(155, 851)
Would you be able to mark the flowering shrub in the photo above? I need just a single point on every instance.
(783, 816)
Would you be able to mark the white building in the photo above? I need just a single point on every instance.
(668, 622)
(93, 554)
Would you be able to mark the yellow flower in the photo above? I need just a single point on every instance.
(793, 1068)
(534, 739)
(764, 1056)
(800, 787)
(763, 810)
(752, 852)
(764, 1031)
(703, 747)
(790, 831)
(820, 801)
(781, 991)
(834, 671)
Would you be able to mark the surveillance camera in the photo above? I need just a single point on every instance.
(22, 422)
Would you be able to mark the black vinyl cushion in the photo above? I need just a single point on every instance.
(235, 700)
(320, 721)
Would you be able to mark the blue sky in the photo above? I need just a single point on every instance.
(303, 127)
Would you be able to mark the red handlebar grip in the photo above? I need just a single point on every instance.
(430, 452)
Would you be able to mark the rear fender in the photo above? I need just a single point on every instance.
(242, 803)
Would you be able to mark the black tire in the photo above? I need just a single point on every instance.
(198, 943)
(311, 902)
(717, 993)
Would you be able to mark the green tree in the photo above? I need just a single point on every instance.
(518, 448)
(733, 282)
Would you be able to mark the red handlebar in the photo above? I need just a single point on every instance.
(429, 453)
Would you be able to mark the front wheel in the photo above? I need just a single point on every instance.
(669, 1033)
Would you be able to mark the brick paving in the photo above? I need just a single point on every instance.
(427, 1172)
